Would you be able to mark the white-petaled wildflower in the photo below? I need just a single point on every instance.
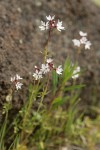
(59, 26)
(44, 26)
(15, 81)
(18, 77)
(76, 42)
(12, 79)
(50, 64)
(51, 24)
(50, 18)
(45, 68)
(49, 60)
(59, 70)
(37, 75)
(18, 85)
(82, 33)
(87, 45)
(83, 40)
(76, 73)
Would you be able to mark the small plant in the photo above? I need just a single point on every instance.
(48, 118)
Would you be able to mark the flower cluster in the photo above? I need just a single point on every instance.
(16, 82)
(45, 68)
(49, 66)
(82, 41)
(51, 24)
(76, 72)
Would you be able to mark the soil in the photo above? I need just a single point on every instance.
(21, 41)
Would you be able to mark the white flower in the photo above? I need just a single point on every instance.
(15, 78)
(83, 40)
(50, 18)
(16, 82)
(51, 24)
(75, 76)
(87, 45)
(76, 42)
(18, 77)
(59, 70)
(76, 73)
(45, 68)
(12, 79)
(18, 85)
(59, 26)
(44, 26)
(37, 75)
(49, 60)
(82, 33)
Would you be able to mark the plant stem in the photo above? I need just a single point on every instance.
(46, 46)
(44, 93)
(3, 130)
(28, 109)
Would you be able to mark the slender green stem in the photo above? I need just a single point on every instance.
(46, 46)
(2, 133)
(44, 93)
(28, 109)
(26, 116)
(14, 143)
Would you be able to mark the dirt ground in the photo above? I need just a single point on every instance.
(21, 40)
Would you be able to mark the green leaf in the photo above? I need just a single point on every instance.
(54, 81)
(68, 71)
(59, 101)
(73, 87)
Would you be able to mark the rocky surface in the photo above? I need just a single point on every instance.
(21, 40)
